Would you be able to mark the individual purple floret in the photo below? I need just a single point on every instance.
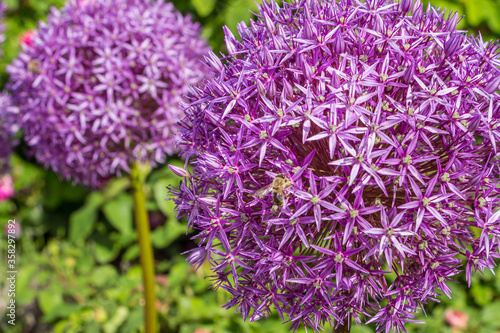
(99, 85)
(375, 122)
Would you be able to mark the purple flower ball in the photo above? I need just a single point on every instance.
(344, 161)
(100, 84)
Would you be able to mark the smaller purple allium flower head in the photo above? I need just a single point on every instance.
(99, 85)
(340, 158)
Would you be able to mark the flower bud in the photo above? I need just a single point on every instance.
(270, 25)
(452, 44)
(339, 44)
(215, 62)
(405, 6)
(178, 171)
(493, 82)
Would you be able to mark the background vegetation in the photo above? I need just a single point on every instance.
(77, 253)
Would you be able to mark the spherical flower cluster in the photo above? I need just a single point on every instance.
(99, 85)
(373, 128)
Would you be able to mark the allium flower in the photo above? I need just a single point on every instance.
(377, 122)
(100, 83)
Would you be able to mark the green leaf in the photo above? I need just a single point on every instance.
(134, 321)
(489, 314)
(105, 248)
(361, 329)
(178, 274)
(85, 261)
(160, 193)
(49, 299)
(103, 275)
(493, 10)
(91, 327)
(118, 318)
(82, 221)
(481, 293)
(119, 213)
(203, 7)
(24, 294)
(62, 310)
(487, 329)
(238, 11)
(131, 253)
(115, 187)
(57, 191)
(26, 175)
(164, 235)
(475, 13)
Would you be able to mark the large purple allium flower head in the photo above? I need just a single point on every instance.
(375, 124)
(100, 84)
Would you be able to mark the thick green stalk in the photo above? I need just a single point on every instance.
(342, 328)
(146, 249)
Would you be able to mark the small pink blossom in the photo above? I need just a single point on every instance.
(202, 331)
(27, 37)
(456, 318)
(6, 187)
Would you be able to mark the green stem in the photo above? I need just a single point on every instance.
(146, 249)
(342, 328)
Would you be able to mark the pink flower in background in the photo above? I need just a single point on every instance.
(6, 187)
(27, 37)
(202, 331)
(456, 319)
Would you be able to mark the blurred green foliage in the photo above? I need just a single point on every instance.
(78, 257)
(479, 15)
